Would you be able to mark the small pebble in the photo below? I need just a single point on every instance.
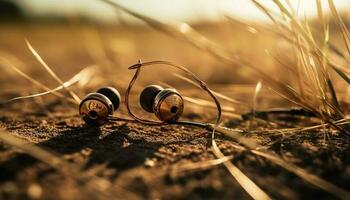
(35, 191)
(86, 152)
(150, 162)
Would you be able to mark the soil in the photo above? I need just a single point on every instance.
(140, 158)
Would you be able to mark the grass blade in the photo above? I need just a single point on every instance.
(5, 62)
(83, 74)
(51, 72)
(342, 74)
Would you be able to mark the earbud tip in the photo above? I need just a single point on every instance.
(112, 94)
(147, 96)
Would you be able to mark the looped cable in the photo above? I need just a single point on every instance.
(127, 94)
(202, 84)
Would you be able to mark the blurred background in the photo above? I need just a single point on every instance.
(70, 35)
(195, 11)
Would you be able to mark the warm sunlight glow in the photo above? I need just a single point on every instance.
(181, 10)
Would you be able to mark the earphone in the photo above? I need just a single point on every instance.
(167, 104)
(97, 108)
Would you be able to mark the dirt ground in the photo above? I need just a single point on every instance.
(136, 161)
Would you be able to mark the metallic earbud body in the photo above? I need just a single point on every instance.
(166, 104)
(96, 108)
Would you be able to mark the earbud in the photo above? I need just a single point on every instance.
(96, 108)
(167, 104)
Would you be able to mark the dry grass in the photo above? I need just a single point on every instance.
(315, 63)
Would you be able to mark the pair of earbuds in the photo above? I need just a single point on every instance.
(166, 103)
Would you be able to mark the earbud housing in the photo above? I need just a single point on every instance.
(166, 104)
(96, 108)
